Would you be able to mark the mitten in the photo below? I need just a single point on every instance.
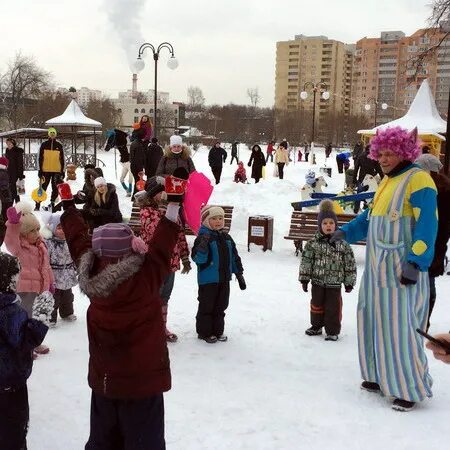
(249, 165)
(348, 289)
(13, 215)
(305, 286)
(81, 195)
(186, 267)
(154, 185)
(410, 273)
(43, 307)
(241, 281)
(52, 288)
(338, 235)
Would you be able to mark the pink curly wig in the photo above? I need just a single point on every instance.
(400, 141)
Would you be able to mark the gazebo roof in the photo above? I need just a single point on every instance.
(73, 116)
(422, 114)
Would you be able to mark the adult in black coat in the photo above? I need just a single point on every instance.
(137, 156)
(258, 160)
(152, 157)
(102, 206)
(366, 166)
(15, 166)
(358, 150)
(216, 157)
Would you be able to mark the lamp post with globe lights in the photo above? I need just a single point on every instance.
(376, 102)
(320, 87)
(139, 65)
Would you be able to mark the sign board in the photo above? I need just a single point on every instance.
(257, 231)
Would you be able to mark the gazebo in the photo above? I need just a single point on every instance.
(72, 126)
(78, 125)
(422, 114)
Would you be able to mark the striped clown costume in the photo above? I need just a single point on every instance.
(400, 226)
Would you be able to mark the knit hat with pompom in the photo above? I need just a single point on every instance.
(28, 221)
(326, 211)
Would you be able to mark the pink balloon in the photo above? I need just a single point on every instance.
(198, 192)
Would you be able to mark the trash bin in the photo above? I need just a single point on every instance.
(260, 231)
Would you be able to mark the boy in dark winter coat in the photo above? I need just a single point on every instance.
(217, 259)
(152, 158)
(19, 335)
(128, 358)
(327, 266)
(216, 158)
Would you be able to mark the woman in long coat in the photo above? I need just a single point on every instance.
(400, 227)
(258, 160)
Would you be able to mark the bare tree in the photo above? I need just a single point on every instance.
(195, 97)
(23, 82)
(253, 94)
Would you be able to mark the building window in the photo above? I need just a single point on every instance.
(142, 111)
(136, 111)
(119, 110)
(136, 119)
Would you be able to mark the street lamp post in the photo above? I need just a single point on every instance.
(320, 87)
(139, 65)
(376, 102)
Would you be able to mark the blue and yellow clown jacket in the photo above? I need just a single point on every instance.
(420, 203)
(221, 259)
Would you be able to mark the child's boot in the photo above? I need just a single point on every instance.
(313, 331)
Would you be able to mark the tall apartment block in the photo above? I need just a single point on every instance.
(386, 69)
(315, 59)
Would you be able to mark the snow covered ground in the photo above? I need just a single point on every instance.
(270, 386)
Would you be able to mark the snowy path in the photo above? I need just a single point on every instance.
(268, 387)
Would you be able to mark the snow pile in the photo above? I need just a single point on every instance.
(268, 387)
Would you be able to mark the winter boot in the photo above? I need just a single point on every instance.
(332, 337)
(124, 186)
(208, 339)
(370, 386)
(222, 338)
(403, 405)
(171, 337)
(70, 318)
(130, 188)
(313, 331)
(42, 349)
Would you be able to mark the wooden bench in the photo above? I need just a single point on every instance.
(135, 222)
(304, 226)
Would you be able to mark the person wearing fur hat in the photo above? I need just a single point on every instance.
(14, 154)
(102, 207)
(51, 164)
(176, 155)
(129, 367)
(327, 266)
(258, 161)
(6, 199)
(20, 334)
(23, 240)
(217, 259)
(400, 227)
(62, 266)
(151, 213)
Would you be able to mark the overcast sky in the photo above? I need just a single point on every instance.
(223, 47)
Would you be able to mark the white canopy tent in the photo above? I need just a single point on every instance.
(422, 114)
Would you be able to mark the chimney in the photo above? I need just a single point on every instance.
(134, 88)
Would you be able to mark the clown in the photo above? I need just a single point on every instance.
(400, 227)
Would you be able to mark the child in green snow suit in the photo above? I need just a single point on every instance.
(328, 266)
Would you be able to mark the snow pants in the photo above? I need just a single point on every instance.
(166, 289)
(63, 304)
(234, 157)
(281, 170)
(326, 309)
(14, 413)
(213, 300)
(217, 172)
(118, 424)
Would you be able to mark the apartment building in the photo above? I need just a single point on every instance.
(313, 59)
(85, 95)
(386, 70)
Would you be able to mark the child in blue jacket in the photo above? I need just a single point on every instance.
(217, 259)
(19, 335)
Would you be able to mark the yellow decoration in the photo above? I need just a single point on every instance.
(419, 248)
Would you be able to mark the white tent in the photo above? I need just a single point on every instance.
(422, 114)
(73, 116)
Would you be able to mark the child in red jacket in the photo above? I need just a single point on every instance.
(153, 209)
(129, 365)
(240, 176)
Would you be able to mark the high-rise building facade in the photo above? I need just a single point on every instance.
(389, 70)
